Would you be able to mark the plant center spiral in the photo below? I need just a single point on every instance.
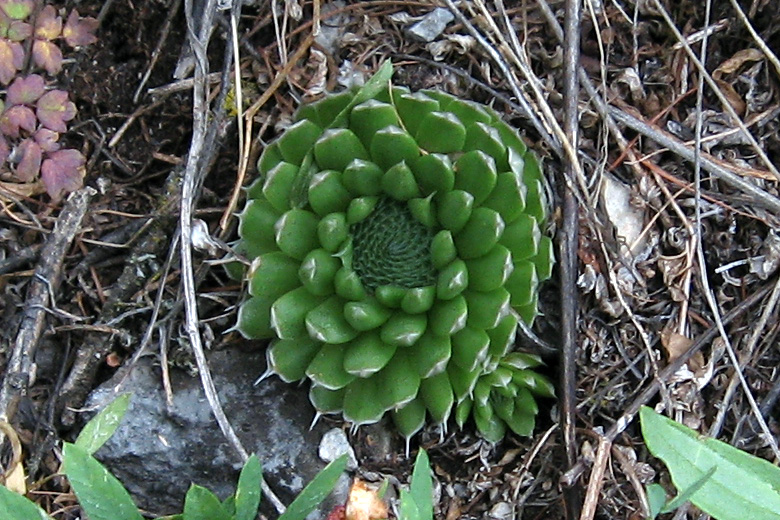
(391, 247)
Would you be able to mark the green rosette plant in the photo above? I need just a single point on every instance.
(396, 242)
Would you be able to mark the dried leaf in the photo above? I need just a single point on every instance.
(675, 344)
(62, 172)
(732, 96)
(48, 56)
(79, 31)
(739, 58)
(363, 503)
(30, 164)
(25, 90)
(54, 109)
(11, 60)
(15, 118)
(48, 25)
(47, 139)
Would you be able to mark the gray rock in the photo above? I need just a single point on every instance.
(158, 451)
(334, 444)
(431, 25)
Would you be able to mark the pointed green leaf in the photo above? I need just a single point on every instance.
(327, 194)
(508, 197)
(367, 354)
(421, 486)
(296, 233)
(436, 393)
(360, 208)
(463, 382)
(363, 402)
(452, 280)
(486, 308)
(332, 231)
(431, 354)
(502, 337)
(298, 140)
(273, 274)
(327, 368)
(480, 234)
(489, 425)
(328, 108)
(247, 498)
(413, 108)
(468, 112)
(489, 272)
(363, 178)
(399, 182)
(403, 330)
(410, 419)
(399, 382)
(316, 491)
(257, 227)
(100, 494)
(390, 295)
(418, 299)
(326, 401)
(366, 315)
(289, 359)
(522, 238)
(337, 148)
(448, 316)
(278, 185)
(443, 249)
(742, 486)
(475, 172)
(288, 313)
(254, 317)
(469, 347)
(103, 425)
(522, 283)
(424, 211)
(14, 506)
(202, 504)
(369, 117)
(317, 272)
(454, 209)
(434, 173)
(392, 145)
(326, 322)
(441, 132)
(348, 285)
(270, 157)
(487, 139)
(545, 258)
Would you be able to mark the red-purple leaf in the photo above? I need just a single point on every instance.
(11, 60)
(25, 91)
(48, 25)
(19, 31)
(79, 31)
(53, 109)
(30, 163)
(47, 139)
(15, 118)
(62, 172)
(17, 9)
(4, 150)
(47, 56)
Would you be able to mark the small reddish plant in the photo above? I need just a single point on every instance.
(32, 115)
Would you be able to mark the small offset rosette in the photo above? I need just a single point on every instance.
(396, 243)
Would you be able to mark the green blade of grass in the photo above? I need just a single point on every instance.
(316, 491)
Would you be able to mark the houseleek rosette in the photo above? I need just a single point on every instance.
(396, 242)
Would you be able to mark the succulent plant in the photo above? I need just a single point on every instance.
(396, 242)
(31, 116)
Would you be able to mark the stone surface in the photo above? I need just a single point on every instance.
(334, 444)
(158, 451)
(431, 25)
